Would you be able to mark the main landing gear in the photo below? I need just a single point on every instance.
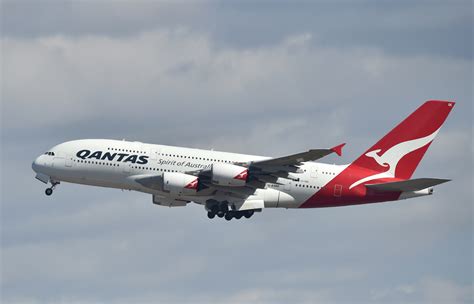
(49, 191)
(232, 214)
(221, 209)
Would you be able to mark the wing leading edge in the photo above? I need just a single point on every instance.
(298, 158)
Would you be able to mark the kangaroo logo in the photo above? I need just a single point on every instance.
(392, 156)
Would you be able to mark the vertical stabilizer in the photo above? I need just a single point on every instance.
(399, 152)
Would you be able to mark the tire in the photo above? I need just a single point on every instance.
(239, 215)
(211, 215)
(248, 213)
(48, 191)
(229, 216)
(224, 207)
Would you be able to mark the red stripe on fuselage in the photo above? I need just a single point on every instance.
(337, 193)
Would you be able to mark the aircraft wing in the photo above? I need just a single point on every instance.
(296, 159)
(260, 173)
(269, 170)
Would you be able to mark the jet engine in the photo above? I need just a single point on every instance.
(229, 175)
(180, 183)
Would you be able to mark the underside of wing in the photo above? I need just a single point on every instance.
(168, 202)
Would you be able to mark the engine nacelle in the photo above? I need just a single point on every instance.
(229, 175)
(180, 183)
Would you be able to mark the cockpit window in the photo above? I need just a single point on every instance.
(49, 153)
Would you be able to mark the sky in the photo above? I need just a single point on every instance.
(258, 77)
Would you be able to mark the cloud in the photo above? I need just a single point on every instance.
(426, 290)
(437, 290)
(181, 73)
(414, 27)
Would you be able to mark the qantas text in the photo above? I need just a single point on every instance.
(121, 157)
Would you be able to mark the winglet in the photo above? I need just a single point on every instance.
(338, 149)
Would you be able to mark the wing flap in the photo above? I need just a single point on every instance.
(408, 185)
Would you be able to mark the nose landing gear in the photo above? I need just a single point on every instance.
(49, 191)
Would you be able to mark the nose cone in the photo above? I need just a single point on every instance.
(36, 165)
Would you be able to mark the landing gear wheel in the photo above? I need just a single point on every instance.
(229, 216)
(223, 209)
(48, 191)
(248, 213)
(238, 215)
(211, 215)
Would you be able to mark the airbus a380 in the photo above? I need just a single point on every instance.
(234, 185)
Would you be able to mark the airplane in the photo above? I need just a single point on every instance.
(232, 185)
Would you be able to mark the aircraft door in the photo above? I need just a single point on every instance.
(125, 167)
(154, 155)
(152, 152)
(68, 161)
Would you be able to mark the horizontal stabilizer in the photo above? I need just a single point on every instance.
(408, 185)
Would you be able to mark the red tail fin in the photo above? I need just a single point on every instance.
(403, 147)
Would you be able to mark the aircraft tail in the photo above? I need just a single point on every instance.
(403, 148)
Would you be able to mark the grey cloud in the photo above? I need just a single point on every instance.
(71, 76)
(76, 18)
(431, 290)
(402, 27)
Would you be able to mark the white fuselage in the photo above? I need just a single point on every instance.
(120, 163)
